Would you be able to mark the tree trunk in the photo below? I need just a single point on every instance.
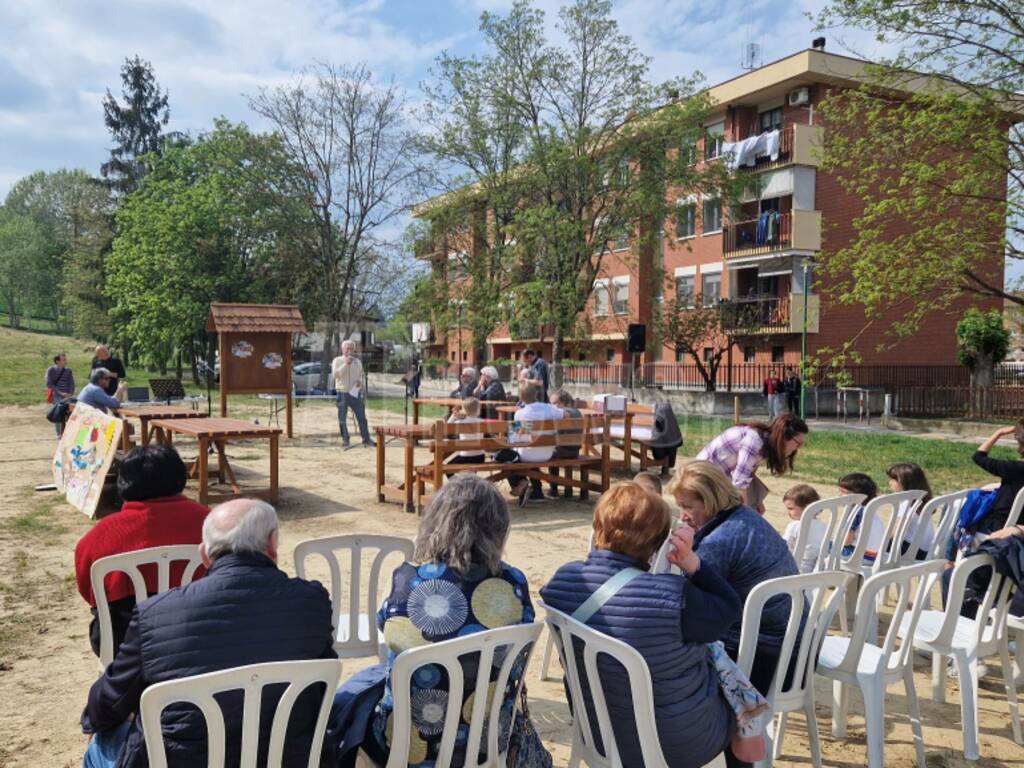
(983, 373)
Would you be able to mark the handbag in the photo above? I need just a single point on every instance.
(49, 394)
(525, 749)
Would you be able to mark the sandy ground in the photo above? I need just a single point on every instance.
(46, 666)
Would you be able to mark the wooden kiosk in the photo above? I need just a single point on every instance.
(255, 343)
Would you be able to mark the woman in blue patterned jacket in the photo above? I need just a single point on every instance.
(460, 586)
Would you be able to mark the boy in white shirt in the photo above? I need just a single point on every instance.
(531, 410)
(796, 500)
(469, 413)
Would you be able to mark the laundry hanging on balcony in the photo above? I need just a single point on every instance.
(746, 151)
(767, 228)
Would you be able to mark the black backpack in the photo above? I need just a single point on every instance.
(59, 411)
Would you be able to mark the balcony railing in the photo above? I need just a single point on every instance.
(754, 236)
(757, 315)
(763, 162)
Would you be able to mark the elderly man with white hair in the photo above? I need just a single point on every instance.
(489, 388)
(347, 374)
(467, 383)
(245, 610)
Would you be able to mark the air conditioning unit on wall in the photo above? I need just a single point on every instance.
(799, 96)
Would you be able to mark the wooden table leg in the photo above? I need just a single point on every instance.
(222, 460)
(144, 432)
(126, 443)
(410, 443)
(380, 463)
(204, 491)
(627, 443)
(273, 468)
(415, 412)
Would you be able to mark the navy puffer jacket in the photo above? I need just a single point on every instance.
(244, 611)
(694, 721)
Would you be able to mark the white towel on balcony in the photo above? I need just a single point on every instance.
(746, 151)
(772, 140)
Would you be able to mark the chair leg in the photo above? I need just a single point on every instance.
(873, 689)
(780, 735)
(545, 665)
(938, 678)
(574, 757)
(812, 730)
(914, 709)
(840, 706)
(967, 669)
(1011, 687)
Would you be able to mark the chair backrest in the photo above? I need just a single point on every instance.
(490, 706)
(943, 511)
(129, 563)
(1015, 511)
(201, 690)
(839, 513)
(354, 643)
(822, 592)
(567, 634)
(902, 507)
(912, 583)
(990, 621)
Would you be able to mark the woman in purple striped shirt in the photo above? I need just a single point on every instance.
(740, 450)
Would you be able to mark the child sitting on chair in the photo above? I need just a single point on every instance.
(796, 500)
(858, 482)
(649, 481)
(469, 413)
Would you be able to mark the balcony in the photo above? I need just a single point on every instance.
(765, 315)
(798, 230)
(798, 144)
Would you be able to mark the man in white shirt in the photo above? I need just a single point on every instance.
(347, 374)
(531, 410)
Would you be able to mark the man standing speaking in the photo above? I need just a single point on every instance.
(347, 372)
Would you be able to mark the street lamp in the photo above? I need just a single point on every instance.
(803, 342)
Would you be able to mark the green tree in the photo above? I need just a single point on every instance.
(584, 157)
(211, 222)
(982, 342)
(136, 126)
(927, 142)
(20, 243)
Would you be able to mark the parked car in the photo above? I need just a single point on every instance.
(306, 379)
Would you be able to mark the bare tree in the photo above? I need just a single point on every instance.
(348, 134)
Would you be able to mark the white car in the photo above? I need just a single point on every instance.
(306, 379)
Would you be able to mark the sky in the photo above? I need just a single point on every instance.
(57, 59)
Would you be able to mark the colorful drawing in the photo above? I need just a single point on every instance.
(84, 455)
(272, 360)
(242, 349)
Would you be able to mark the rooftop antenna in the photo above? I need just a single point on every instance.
(751, 56)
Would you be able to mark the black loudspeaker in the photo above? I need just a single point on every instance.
(636, 337)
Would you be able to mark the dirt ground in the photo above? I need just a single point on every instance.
(46, 665)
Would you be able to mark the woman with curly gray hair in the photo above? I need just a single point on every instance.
(459, 585)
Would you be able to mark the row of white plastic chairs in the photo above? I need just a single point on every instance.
(841, 658)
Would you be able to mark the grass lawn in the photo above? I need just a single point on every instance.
(828, 455)
(26, 356)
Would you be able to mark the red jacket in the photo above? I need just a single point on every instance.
(139, 525)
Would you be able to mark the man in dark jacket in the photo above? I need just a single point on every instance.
(244, 611)
(113, 364)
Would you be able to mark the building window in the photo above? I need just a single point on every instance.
(684, 290)
(620, 298)
(601, 298)
(778, 354)
(621, 240)
(453, 357)
(709, 353)
(770, 120)
(687, 152)
(465, 356)
(712, 215)
(609, 355)
(583, 356)
(686, 218)
(714, 136)
(711, 288)
(748, 355)
(623, 173)
(680, 355)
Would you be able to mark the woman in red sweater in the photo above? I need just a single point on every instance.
(154, 514)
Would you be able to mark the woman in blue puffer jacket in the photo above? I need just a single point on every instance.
(668, 618)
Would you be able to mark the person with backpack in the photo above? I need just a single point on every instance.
(60, 384)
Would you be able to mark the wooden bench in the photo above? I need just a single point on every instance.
(590, 433)
(630, 433)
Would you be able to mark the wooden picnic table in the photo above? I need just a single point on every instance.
(410, 434)
(217, 432)
(511, 409)
(445, 402)
(147, 414)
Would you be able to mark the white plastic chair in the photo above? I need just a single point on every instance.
(902, 506)
(565, 630)
(200, 691)
(822, 593)
(859, 659)
(839, 511)
(128, 563)
(968, 641)
(356, 628)
(498, 648)
(947, 508)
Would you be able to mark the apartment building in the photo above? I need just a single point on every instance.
(759, 258)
